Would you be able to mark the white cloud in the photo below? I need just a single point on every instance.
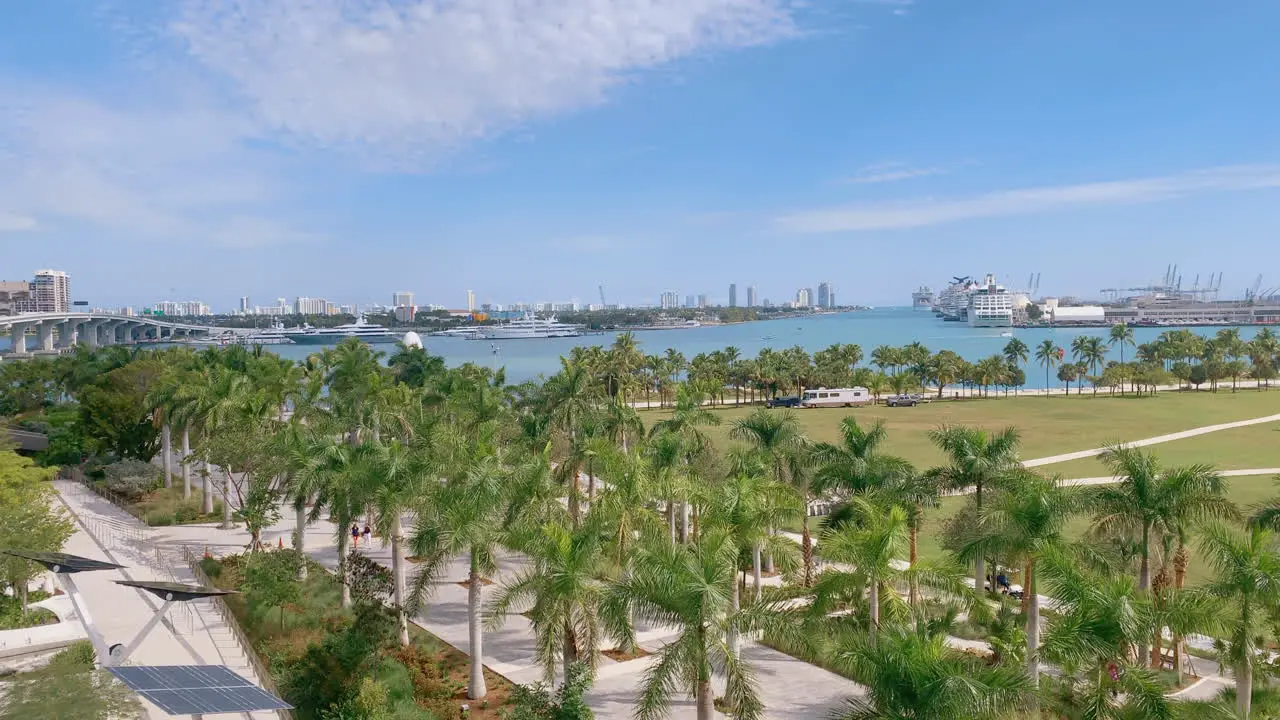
(924, 212)
(404, 81)
(10, 222)
(891, 172)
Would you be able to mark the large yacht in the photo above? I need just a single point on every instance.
(953, 302)
(529, 326)
(990, 305)
(366, 331)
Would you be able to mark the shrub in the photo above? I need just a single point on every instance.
(370, 581)
(132, 479)
(211, 567)
(186, 514)
(535, 702)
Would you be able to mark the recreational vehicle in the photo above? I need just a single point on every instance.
(835, 397)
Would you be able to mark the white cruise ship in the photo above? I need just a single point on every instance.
(366, 331)
(529, 327)
(953, 302)
(990, 305)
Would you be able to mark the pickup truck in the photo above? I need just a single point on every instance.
(783, 402)
(902, 400)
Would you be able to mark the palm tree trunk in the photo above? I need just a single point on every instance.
(755, 570)
(1033, 624)
(1180, 560)
(300, 525)
(1144, 578)
(342, 564)
(1244, 688)
(397, 574)
(166, 447)
(477, 688)
(575, 511)
(705, 699)
(874, 610)
(206, 502)
(591, 484)
(806, 545)
(671, 520)
(735, 603)
(226, 499)
(979, 564)
(684, 522)
(569, 652)
(913, 592)
(186, 469)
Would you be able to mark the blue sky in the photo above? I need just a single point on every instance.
(529, 150)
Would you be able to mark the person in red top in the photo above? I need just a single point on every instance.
(355, 535)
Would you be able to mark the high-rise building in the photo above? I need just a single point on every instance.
(751, 296)
(804, 297)
(245, 307)
(404, 298)
(826, 297)
(51, 292)
(733, 295)
(310, 306)
(670, 299)
(15, 297)
(471, 301)
(184, 308)
(405, 313)
(702, 301)
(690, 301)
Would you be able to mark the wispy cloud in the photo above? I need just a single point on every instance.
(924, 212)
(10, 222)
(405, 82)
(891, 172)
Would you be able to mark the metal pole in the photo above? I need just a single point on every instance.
(142, 634)
(82, 612)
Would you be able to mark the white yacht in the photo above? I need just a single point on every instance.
(366, 331)
(529, 326)
(990, 305)
(273, 335)
(469, 332)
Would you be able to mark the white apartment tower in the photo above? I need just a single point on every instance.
(404, 298)
(51, 291)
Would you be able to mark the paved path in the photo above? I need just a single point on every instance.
(1181, 435)
(194, 633)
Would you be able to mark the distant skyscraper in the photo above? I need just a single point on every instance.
(471, 301)
(733, 295)
(404, 298)
(702, 301)
(310, 306)
(690, 301)
(751, 296)
(804, 297)
(670, 299)
(51, 291)
(245, 307)
(826, 298)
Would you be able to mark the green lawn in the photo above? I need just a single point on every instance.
(1255, 446)
(1049, 426)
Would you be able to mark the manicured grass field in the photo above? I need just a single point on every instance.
(1049, 426)
(1255, 446)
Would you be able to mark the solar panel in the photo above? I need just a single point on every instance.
(62, 562)
(172, 591)
(197, 689)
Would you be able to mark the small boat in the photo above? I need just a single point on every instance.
(1006, 334)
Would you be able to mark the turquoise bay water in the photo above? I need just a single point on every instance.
(527, 359)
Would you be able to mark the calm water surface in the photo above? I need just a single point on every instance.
(527, 359)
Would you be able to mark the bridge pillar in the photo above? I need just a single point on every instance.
(18, 337)
(67, 333)
(110, 334)
(45, 332)
(90, 331)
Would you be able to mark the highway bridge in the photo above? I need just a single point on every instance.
(52, 332)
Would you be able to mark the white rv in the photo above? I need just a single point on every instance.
(836, 397)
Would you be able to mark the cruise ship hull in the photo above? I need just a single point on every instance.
(984, 322)
(318, 339)
(527, 334)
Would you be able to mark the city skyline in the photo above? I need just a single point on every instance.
(155, 150)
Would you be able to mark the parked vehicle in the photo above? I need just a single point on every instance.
(836, 397)
(789, 401)
(902, 400)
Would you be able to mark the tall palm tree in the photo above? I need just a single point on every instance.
(1246, 574)
(570, 396)
(1027, 522)
(1015, 352)
(1122, 335)
(1048, 355)
(335, 474)
(685, 424)
(786, 450)
(466, 519)
(977, 459)
(687, 588)
(910, 671)
(563, 593)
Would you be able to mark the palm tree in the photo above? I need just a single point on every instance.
(1015, 352)
(944, 369)
(1122, 335)
(467, 518)
(336, 473)
(1048, 355)
(563, 593)
(1246, 574)
(570, 396)
(1026, 522)
(910, 672)
(778, 438)
(685, 424)
(977, 460)
(687, 587)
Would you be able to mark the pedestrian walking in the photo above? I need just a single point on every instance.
(368, 534)
(355, 535)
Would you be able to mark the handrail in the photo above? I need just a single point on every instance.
(229, 619)
(76, 474)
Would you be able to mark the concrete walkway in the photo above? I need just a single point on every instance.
(193, 633)
(1181, 435)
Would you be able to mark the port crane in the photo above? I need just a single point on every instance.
(1171, 285)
